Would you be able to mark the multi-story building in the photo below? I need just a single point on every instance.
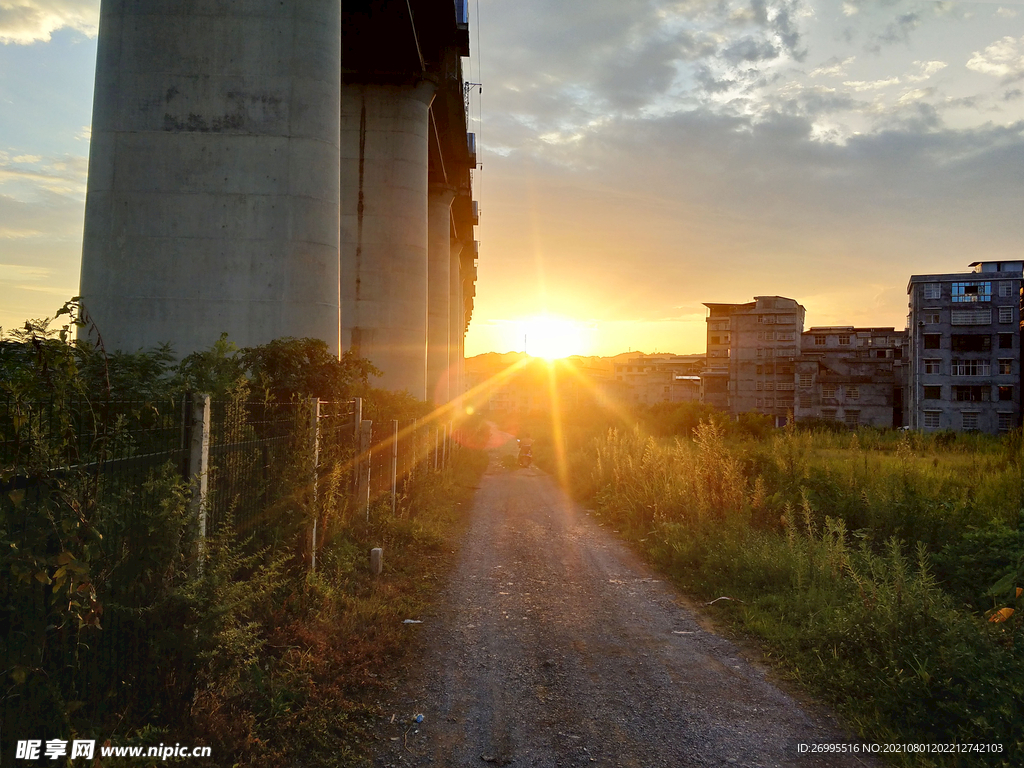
(754, 352)
(649, 379)
(852, 375)
(964, 344)
(714, 379)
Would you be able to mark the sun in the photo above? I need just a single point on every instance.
(552, 337)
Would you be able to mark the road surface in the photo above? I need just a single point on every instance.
(554, 645)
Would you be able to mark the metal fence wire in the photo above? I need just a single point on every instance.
(274, 472)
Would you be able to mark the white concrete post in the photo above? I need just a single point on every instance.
(314, 445)
(376, 561)
(394, 465)
(363, 482)
(437, 440)
(199, 468)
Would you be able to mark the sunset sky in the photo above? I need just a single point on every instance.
(640, 158)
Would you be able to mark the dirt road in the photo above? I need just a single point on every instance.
(555, 646)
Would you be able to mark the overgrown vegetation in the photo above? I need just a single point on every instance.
(112, 625)
(880, 569)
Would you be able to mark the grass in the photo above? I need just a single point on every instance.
(323, 654)
(868, 565)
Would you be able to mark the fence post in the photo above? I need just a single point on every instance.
(314, 445)
(357, 409)
(363, 449)
(199, 469)
(436, 446)
(394, 464)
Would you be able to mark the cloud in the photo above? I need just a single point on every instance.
(1004, 58)
(834, 67)
(897, 31)
(27, 177)
(28, 21)
(925, 70)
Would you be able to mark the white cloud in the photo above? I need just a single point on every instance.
(1006, 13)
(26, 177)
(29, 21)
(832, 68)
(1003, 58)
(871, 85)
(925, 70)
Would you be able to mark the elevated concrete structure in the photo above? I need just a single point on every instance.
(263, 169)
(403, 134)
(213, 189)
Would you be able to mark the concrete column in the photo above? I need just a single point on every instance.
(439, 293)
(456, 314)
(384, 130)
(213, 189)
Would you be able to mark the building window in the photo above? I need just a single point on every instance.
(806, 379)
(769, 402)
(1006, 314)
(714, 340)
(1005, 365)
(932, 365)
(785, 386)
(759, 402)
(932, 419)
(766, 319)
(1006, 341)
(972, 394)
(805, 401)
(932, 290)
(972, 316)
(819, 341)
(972, 292)
(1005, 289)
(769, 385)
(971, 342)
(852, 393)
(844, 340)
(769, 368)
(759, 386)
(852, 418)
(828, 390)
(970, 420)
(830, 415)
(758, 369)
(932, 340)
(933, 393)
(932, 316)
(1005, 422)
(787, 335)
(970, 368)
(1006, 393)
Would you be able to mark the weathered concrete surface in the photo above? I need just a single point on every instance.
(214, 173)
(457, 328)
(439, 292)
(384, 131)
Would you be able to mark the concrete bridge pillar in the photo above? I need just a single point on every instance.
(456, 319)
(439, 293)
(384, 130)
(213, 189)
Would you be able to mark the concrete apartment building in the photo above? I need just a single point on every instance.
(763, 344)
(964, 344)
(714, 379)
(851, 375)
(649, 379)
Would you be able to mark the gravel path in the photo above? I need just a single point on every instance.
(554, 645)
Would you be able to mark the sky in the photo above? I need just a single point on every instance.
(640, 158)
